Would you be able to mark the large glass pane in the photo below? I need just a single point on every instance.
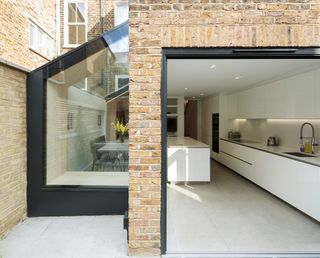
(80, 12)
(72, 34)
(87, 134)
(121, 12)
(81, 34)
(71, 12)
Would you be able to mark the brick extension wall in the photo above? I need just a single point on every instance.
(183, 23)
(14, 48)
(12, 147)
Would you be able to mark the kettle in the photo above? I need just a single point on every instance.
(273, 141)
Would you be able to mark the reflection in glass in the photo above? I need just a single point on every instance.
(80, 12)
(71, 12)
(81, 34)
(83, 103)
(72, 34)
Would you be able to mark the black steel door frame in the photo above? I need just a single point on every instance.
(211, 53)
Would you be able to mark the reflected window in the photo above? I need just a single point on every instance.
(75, 29)
(87, 131)
(121, 11)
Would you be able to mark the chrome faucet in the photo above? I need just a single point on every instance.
(312, 138)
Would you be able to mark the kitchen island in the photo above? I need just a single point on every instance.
(188, 160)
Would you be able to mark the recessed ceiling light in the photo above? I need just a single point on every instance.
(201, 94)
(185, 88)
(238, 77)
(212, 66)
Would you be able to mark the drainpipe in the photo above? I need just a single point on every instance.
(101, 15)
(58, 27)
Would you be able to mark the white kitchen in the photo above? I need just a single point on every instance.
(243, 155)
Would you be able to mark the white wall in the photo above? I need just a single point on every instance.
(288, 130)
(180, 129)
(199, 120)
(208, 106)
(215, 104)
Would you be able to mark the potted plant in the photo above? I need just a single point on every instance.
(121, 129)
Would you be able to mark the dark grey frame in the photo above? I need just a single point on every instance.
(64, 200)
(211, 53)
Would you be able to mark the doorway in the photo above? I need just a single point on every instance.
(174, 196)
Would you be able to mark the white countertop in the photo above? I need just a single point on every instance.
(278, 150)
(185, 142)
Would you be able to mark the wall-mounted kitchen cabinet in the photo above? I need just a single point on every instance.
(232, 106)
(300, 92)
(275, 99)
(251, 103)
(244, 104)
(294, 97)
(316, 96)
(258, 102)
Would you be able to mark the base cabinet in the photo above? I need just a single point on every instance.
(188, 164)
(293, 181)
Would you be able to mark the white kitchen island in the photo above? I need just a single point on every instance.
(188, 160)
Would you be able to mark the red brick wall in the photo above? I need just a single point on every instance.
(185, 23)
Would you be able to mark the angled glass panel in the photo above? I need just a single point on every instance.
(87, 132)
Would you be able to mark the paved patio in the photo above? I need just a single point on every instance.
(66, 237)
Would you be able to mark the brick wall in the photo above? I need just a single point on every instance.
(94, 25)
(12, 147)
(185, 23)
(14, 49)
(14, 29)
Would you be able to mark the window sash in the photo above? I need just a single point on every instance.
(76, 23)
(40, 41)
(121, 12)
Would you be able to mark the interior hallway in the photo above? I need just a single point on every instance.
(230, 214)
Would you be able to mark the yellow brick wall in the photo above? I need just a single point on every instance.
(14, 29)
(12, 147)
(14, 48)
(185, 23)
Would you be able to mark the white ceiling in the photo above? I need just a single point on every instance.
(196, 75)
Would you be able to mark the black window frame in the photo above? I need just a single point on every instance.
(64, 200)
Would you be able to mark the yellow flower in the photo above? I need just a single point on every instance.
(120, 127)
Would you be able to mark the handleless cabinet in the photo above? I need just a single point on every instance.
(295, 97)
(300, 91)
(293, 181)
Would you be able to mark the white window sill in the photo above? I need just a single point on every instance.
(38, 53)
(70, 46)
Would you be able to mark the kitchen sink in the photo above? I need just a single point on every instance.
(300, 154)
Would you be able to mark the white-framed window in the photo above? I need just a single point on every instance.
(121, 80)
(75, 22)
(121, 11)
(40, 41)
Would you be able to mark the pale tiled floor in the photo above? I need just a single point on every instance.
(232, 214)
(66, 237)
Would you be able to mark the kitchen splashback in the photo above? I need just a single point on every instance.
(288, 130)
